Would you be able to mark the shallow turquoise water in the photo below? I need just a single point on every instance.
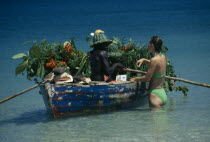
(184, 26)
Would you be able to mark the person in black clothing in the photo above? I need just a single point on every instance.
(99, 59)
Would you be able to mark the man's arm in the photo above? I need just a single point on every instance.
(106, 66)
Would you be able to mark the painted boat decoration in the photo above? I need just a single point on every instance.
(76, 99)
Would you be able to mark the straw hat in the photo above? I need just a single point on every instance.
(99, 39)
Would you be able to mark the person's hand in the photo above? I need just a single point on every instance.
(139, 62)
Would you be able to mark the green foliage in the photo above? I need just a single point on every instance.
(184, 89)
(43, 57)
(35, 51)
(20, 55)
(21, 67)
(29, 42)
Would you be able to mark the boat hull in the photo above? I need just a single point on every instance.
(77, 99)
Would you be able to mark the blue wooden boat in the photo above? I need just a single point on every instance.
(75, 98)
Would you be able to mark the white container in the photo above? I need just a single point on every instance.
(121, 78)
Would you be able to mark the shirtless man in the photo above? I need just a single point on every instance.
(99, 59)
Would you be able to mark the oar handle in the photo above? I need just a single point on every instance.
(19, 93)
(188, 81)
(132, 70)
(172, 78)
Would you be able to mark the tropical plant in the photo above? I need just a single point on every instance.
(43, 57)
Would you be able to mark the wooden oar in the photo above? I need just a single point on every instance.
(19, 93)
(172, 78)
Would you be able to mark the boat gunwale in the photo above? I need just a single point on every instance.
(93, 83)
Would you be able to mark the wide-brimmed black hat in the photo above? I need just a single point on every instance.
(99, 38)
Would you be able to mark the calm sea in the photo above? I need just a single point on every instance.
(184, 27)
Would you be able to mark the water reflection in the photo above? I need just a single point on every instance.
(32, 117)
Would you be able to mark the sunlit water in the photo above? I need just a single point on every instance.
(184, 27)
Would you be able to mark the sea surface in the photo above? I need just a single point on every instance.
(185, 29)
